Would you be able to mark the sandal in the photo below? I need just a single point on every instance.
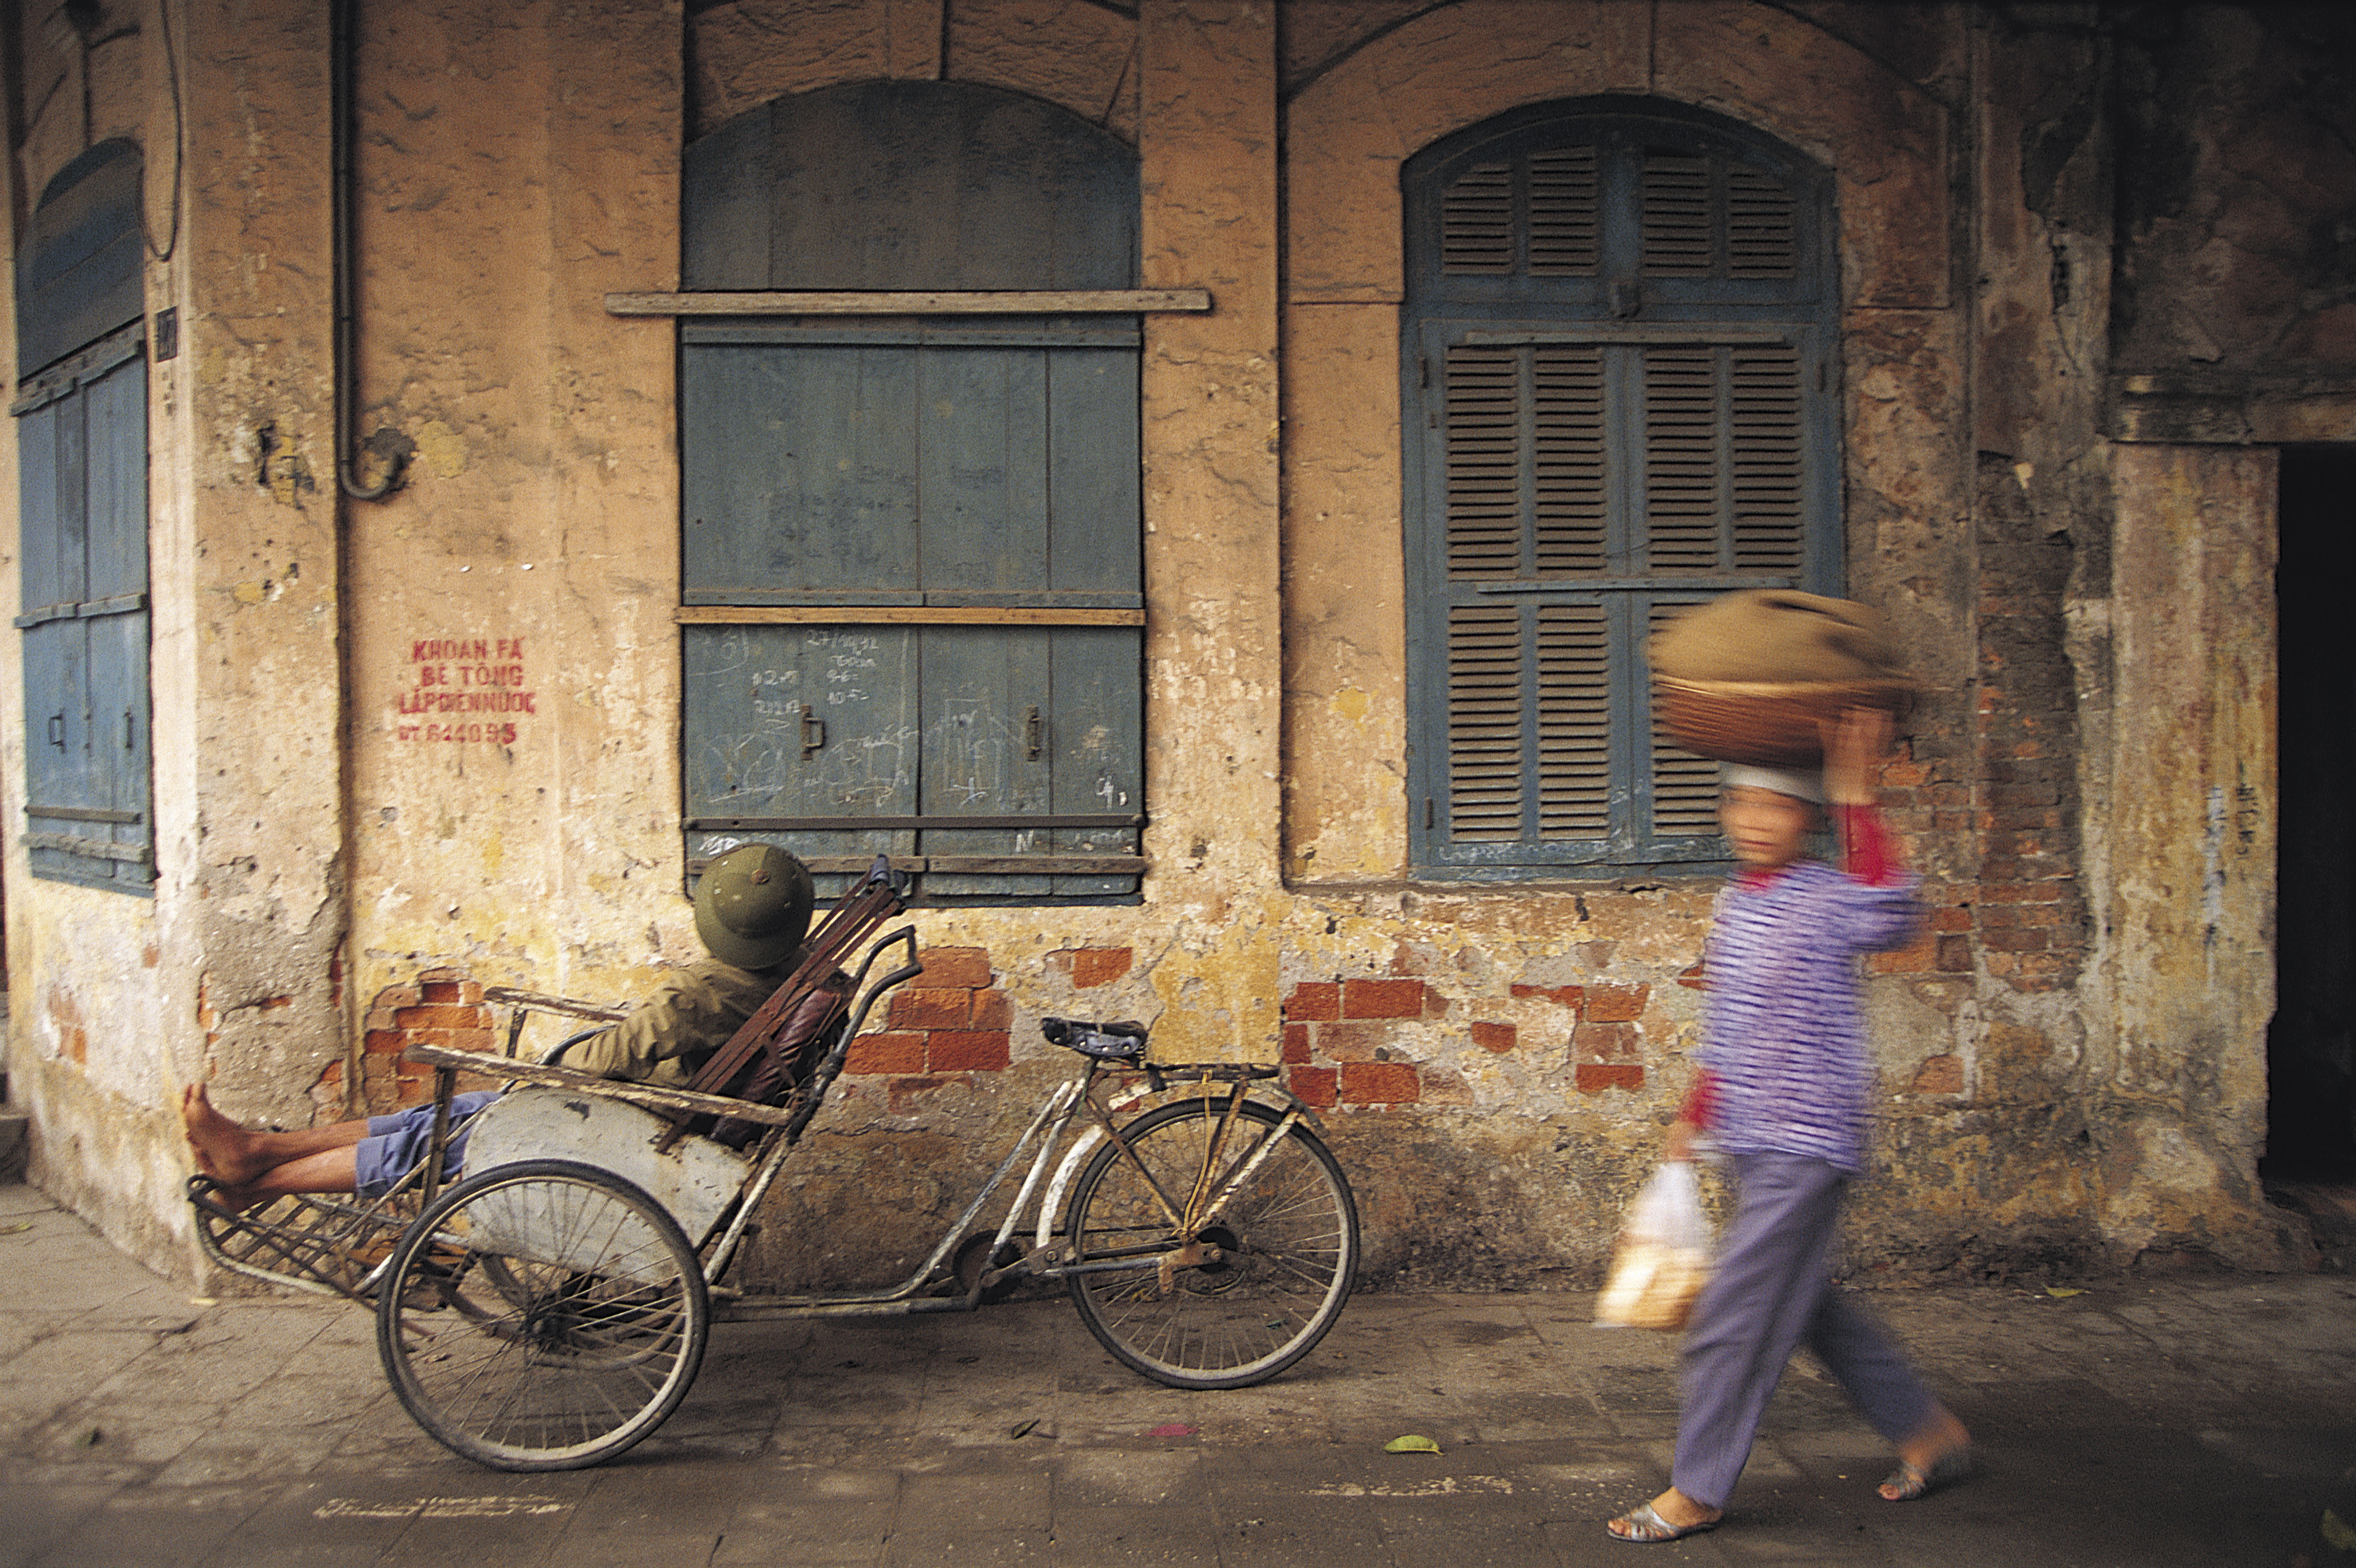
(1906, 1483)
(1645, 1527)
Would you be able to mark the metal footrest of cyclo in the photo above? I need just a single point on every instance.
(330, 1246)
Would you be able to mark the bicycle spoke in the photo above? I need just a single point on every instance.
(1276, 1251)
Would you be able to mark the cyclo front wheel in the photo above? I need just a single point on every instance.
(542, 1316)
(1271, 1266)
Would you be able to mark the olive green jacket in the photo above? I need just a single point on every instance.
(668, 1036)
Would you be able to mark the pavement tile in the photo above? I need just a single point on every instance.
(41, 1512)
(635, 1549)
(1278, 1542)
(1136, 1531)
(966, 1547)
(173, 1528)
(1125, 1477)
(2148, 1422)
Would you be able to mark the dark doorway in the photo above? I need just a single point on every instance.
(2311, 1045)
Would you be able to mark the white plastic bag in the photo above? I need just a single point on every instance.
(1663, 1257)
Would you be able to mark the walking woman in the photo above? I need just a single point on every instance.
(1785, 1091)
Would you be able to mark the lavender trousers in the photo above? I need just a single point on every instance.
(1769, 1294)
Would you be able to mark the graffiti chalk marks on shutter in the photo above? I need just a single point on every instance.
(465, 691)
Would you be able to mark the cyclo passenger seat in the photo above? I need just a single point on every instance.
(1122, 1041)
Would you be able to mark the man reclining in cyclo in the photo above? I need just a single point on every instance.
(752, 910)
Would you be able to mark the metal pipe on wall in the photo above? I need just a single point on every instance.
(390, 448)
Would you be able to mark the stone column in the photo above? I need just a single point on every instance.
(2192, 903)
(1208, 142)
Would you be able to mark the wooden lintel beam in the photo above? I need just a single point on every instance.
(900, 615)
(915, 302)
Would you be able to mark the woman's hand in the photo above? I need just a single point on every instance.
(1855, 746)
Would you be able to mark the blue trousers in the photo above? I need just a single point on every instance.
(1769, 1294)
(398, 1141)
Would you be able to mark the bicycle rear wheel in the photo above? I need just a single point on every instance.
(1279, 1255)
(542, 1316)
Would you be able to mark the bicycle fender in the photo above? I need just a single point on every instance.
(1051, 1202)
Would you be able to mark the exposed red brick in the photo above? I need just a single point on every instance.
(968, 1050)
(437, 1018)
(384, 1042)
(955, 967)
(1692, 977)
(1915, 959)
(1313, 1085)
(1314, 1001)
(931, 1007)
(1592, 1042)
(886, 1052)
(1939, 1075)
(1099, 966)
(1495, 1037)
(1954, 956)
(1382, 998)
(1616, 1004)
(1439, 1086)
(993, 1009)
(1296, 1042)
(451, 992)
(1379, 1083)
(1561, 996)
(1354, 1041)
(1594, 1077)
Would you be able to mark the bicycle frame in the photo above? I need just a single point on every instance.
(1047, 1131)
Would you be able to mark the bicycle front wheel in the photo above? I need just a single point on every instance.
(1262, 1276)
(542, 1316)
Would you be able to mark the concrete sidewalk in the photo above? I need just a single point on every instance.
(2193, 1420)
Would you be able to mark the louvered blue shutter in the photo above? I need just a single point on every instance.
(1618, 345)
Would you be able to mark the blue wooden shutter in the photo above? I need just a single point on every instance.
(921, 494)
(83, 455)
(1619, 346)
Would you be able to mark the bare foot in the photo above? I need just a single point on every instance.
(224, 1151)
(1937, 1453)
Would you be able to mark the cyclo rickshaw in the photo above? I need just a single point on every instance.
(550, 1310)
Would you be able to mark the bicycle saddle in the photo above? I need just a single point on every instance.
(1121, 1042)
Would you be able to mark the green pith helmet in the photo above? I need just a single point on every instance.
(753, 906)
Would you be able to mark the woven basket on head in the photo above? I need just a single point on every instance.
(1768, 724)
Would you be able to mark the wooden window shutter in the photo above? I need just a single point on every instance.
(81, 424)
(1619, 344)
(912, 548)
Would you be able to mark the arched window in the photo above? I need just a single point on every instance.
(1620, 379)
(911, 560)
(81, 446)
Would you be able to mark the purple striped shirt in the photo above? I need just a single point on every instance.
(1782, 1032)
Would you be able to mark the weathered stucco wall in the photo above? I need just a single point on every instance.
(411, 748)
